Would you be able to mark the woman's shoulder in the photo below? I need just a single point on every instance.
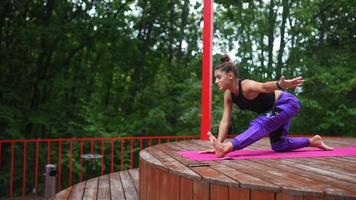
(228, 95)
(245, 83)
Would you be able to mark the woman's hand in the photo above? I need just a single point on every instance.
(207, 151)
(212, 139)
(290, 83)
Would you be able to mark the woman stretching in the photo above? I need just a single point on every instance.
(275, 107)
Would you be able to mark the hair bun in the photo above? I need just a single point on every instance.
(225, 58)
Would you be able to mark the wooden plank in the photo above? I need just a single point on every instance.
(188, 145)
(62, 195)
(104, 188)
(116, 189)
(143, 180)
(349, 160)
(77, 191)
(339, 168)
(219, 192)
(128, 186)
(214, 177)
(262, 195)
(173, 149)
(91, 189)
(170, 186)
(173, 165)
(148, 157)
(135, 177)
(201, 190)
(332, 187)
(317, 170)
(238, 193)
(245, 180)
(283, 196)
(151, 182)
(288, 182)
(186, 188)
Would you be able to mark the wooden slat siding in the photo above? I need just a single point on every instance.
(142, 173)
(128, 186)
(104, 188)
(238, 193)
(201, 190)
(219, 192)
(245, 180)
(186, 188)
(157, 182)
(116, 189)
(91, 189)
(173, 165)
(289, 183)
(144, 184)
(77, 191)
(62, 195)
(170, 187)
(336, 188)
(151, 183)
(135, 178)
(262, 195)
(318, 170)
(313, 198)
(282, 196)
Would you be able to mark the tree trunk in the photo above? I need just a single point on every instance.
(285, 14)
(271, 25)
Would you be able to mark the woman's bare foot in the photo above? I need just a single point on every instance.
(317, 141)
(221, 149)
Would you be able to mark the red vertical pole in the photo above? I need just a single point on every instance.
(59, 173)
(0, 155)
(24, 169)
(102, 157)
(48, 152)
(131, 152)
(12, 169)
(36, 166)
(81, 160)
(206, 95)
(112, 157)
(122, 155)
(70, 163)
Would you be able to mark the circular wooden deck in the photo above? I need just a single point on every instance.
(166, 175)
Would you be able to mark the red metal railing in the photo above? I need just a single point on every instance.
(20, 160)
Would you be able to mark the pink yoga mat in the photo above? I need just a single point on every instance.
(265, 154)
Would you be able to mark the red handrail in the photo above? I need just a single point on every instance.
(106, 148)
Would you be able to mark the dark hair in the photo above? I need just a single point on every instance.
(227, 66)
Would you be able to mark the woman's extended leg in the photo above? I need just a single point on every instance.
(281, 142)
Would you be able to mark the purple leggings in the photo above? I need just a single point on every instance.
(275, 124)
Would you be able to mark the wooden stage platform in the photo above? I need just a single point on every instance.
(164, 175)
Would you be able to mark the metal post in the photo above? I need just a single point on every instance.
(50, 173)
(206, 95)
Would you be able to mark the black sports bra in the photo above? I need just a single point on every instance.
(262, 103)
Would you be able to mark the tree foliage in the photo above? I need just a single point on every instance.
(109, 68)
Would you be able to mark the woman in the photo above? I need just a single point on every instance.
(275, 107)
